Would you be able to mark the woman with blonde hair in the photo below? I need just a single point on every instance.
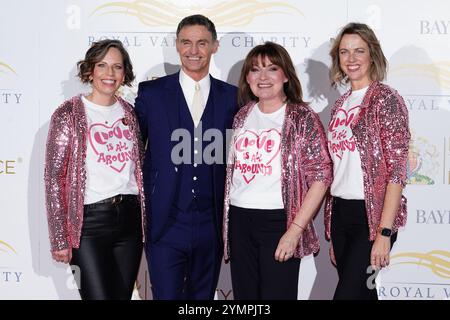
(368, 138)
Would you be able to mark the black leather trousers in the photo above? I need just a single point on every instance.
(106, 264)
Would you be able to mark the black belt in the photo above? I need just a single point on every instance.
(113, 200)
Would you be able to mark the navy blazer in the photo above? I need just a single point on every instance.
(157, 106)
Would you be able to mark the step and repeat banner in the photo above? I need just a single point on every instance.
(41, 41)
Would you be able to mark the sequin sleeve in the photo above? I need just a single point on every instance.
(394, 136)
(315, 160)
(56, 162)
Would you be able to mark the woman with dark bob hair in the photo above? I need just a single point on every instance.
(368, 139)
(277, 174)
(93, 179)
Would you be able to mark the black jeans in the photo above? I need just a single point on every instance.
(255, 274)
(352, 249)
(106, 263)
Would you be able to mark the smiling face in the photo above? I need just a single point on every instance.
(266, 80)
(195, 46)
(107, 76)
(355, 60)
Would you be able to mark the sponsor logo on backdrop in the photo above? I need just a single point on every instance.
(6, 247)
(8, 167)
(426, 103)
(8, 96)
(435, 216)
(232, 14)
(438, 71)
(435, 27)
(447, 159)
(235, 39)
(6, 69)
(157, 13)
(414, 291)
(8, 272)
(224, 294)
(435, 262)
(423, 161)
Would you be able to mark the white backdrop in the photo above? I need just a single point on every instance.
(41, 41)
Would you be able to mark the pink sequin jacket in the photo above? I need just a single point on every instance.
(382, 136)
(65, 172)
(305, 159)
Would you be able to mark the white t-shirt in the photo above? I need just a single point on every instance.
(256, 182)
(348, 180)
(109, 161)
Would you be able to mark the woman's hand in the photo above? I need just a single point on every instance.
(64, 255)
(287, 244)
(381, 248)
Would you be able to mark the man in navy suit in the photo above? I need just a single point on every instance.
(185, 198)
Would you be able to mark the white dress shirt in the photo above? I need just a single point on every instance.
(188, 87)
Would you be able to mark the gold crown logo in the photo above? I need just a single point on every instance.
(438, 261)
(438, 71)
(5, 247)
(423, 161)
(227, 13)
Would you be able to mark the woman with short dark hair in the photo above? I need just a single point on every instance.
(277, 174)
(93, 179)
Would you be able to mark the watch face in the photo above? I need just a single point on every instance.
(386, 232)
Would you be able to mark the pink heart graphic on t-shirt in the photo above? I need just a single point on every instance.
(248, 181)
(343, 120)
(99, 134)
(342, 135)
(266, 145)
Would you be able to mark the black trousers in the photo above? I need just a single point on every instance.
(352, 249)
(106, 264)
(255, 274)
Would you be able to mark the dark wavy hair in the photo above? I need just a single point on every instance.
(278, 56)
(97, 52)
